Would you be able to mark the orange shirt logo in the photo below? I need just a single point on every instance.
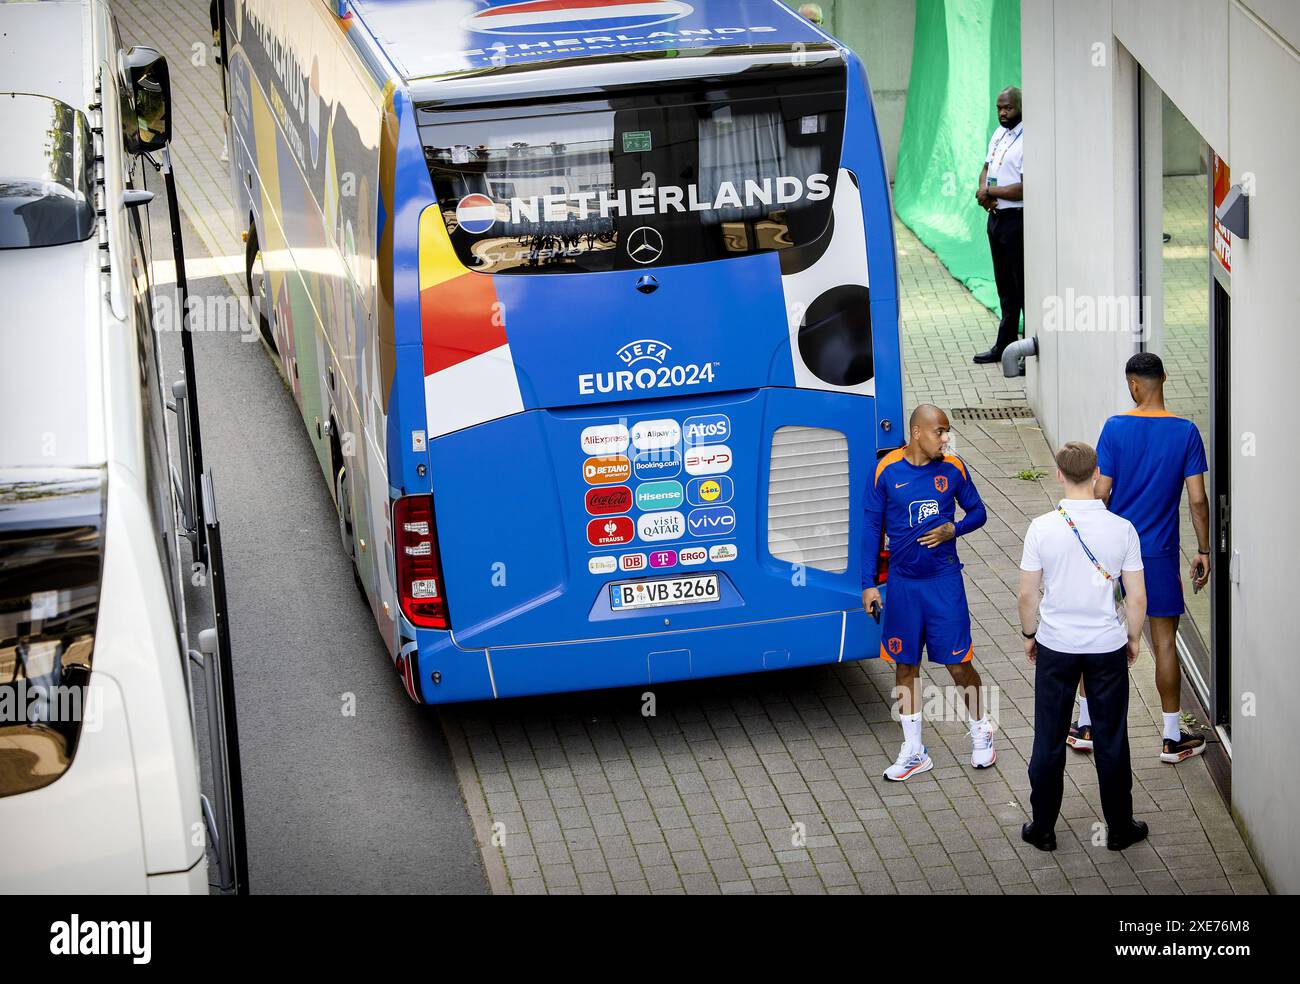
(895, 645)
(940, 483)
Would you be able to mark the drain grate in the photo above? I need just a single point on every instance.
(990, 413)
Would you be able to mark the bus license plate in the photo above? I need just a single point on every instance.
(668, 591)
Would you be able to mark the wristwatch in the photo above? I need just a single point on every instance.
(1029, 635)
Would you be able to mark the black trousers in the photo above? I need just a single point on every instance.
(1006, 228)
(1106, 677)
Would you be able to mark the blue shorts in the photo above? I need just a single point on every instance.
(930, 613)
(1164, 585)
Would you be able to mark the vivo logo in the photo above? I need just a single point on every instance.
(711, 521)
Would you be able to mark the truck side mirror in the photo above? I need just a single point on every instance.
(148, 125)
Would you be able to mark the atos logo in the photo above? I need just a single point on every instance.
(607, 532)
(644, 350)
(712, 428)
(711, 521)
(604, 501)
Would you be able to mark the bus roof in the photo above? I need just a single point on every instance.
(425, 38)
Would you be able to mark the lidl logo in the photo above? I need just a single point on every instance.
(652, 496)
(712, 521)
(713, 428)
(566, 16)
(709, 491)
(476, 213)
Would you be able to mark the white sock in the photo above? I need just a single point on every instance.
(1171, 725)
(1084, 718)
(912, 731)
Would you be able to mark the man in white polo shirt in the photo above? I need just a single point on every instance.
(1001, 193)
(1079, 553)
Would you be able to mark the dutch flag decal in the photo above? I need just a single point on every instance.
(476, 213)
(568, 16)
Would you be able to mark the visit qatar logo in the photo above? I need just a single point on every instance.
(568, 16)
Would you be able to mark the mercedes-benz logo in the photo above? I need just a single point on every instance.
(645, 245)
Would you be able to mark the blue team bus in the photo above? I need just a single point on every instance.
(591, 312)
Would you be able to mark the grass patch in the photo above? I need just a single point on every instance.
(1030, 474)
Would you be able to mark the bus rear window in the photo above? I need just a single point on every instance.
(651, 177)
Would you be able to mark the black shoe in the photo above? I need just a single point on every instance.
(1080, 737)
(992, 355)
(1185, 747)
(1044, 842)
(1137, 831)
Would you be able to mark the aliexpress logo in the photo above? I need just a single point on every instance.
(607, 470)
(606, 501)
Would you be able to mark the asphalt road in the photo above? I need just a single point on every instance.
(366, 802)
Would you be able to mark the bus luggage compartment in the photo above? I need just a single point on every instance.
(539, 513)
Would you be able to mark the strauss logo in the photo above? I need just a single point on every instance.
(611, 528)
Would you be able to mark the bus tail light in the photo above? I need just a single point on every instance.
(882, 564)
(420, 587)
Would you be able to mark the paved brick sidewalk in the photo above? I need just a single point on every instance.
(771, 782)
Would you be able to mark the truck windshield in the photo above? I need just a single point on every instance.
(657, 176)
(46, 173)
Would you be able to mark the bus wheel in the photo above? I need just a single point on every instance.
(259, 288)
(344, 499)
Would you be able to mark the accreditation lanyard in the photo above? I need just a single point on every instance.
(1091, 556)
(998, 162)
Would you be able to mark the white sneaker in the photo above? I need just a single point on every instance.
(909, 764)
(982, 753)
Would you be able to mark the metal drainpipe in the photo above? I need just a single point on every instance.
(1016, 351)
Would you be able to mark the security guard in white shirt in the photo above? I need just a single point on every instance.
(1001, 194)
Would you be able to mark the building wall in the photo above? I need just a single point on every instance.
(1230, 66)
(880, 32)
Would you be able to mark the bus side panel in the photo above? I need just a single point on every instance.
(306, 129)
(863, 156)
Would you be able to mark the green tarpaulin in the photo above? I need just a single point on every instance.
(966, 52)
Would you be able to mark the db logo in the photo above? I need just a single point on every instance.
(895, 645)
(940, 483)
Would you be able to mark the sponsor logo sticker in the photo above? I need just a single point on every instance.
(657, 464)
(652, 496)
(654, 435)
(709, 491)
(610, 531)
(661, 526)
(721, 553)
(606, 501)
(573, 16)
(663, 558)
(712, 521)
(632, 562)
(692, 556)
(604, 439)
(602, 565)
(712, 428)
(712, 459)
(607, 470)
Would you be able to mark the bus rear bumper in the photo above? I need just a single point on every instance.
(447, 673)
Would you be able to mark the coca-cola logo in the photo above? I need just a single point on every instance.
(609, 531)
(607, 501)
